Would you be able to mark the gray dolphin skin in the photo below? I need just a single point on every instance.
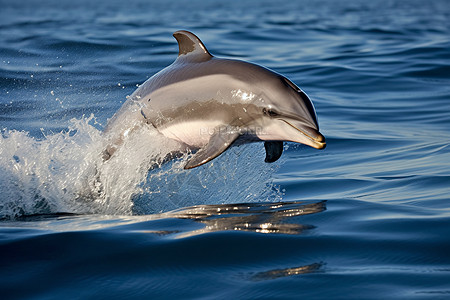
(209, 104)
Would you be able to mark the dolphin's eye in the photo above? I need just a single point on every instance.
(269, 112)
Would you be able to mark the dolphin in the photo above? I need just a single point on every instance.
(209, 104)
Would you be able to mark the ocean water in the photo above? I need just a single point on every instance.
(366, 218)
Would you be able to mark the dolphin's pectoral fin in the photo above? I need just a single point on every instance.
(218, 143)
(273, 151)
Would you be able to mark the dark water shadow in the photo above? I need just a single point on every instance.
(42, 217)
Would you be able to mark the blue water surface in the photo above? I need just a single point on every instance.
(366, 218)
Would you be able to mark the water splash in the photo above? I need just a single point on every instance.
(65, 172)
(41, 176)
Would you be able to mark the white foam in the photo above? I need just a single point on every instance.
(65, 172)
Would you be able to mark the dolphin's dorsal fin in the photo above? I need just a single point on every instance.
(191, 47)
(220, 141)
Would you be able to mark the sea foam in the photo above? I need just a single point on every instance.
(65, 172)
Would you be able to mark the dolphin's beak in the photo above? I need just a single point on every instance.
(306, 135)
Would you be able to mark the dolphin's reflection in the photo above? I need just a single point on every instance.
(278, 273)
(256, 217)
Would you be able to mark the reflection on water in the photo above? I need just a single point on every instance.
(255, 217)
(278, 273)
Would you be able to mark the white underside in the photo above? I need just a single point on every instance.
(196, 134)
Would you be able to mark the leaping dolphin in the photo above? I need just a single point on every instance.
(209, 104)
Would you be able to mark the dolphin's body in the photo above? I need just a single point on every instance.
(209, 104)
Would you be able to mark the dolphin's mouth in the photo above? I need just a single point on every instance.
(314, 136)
